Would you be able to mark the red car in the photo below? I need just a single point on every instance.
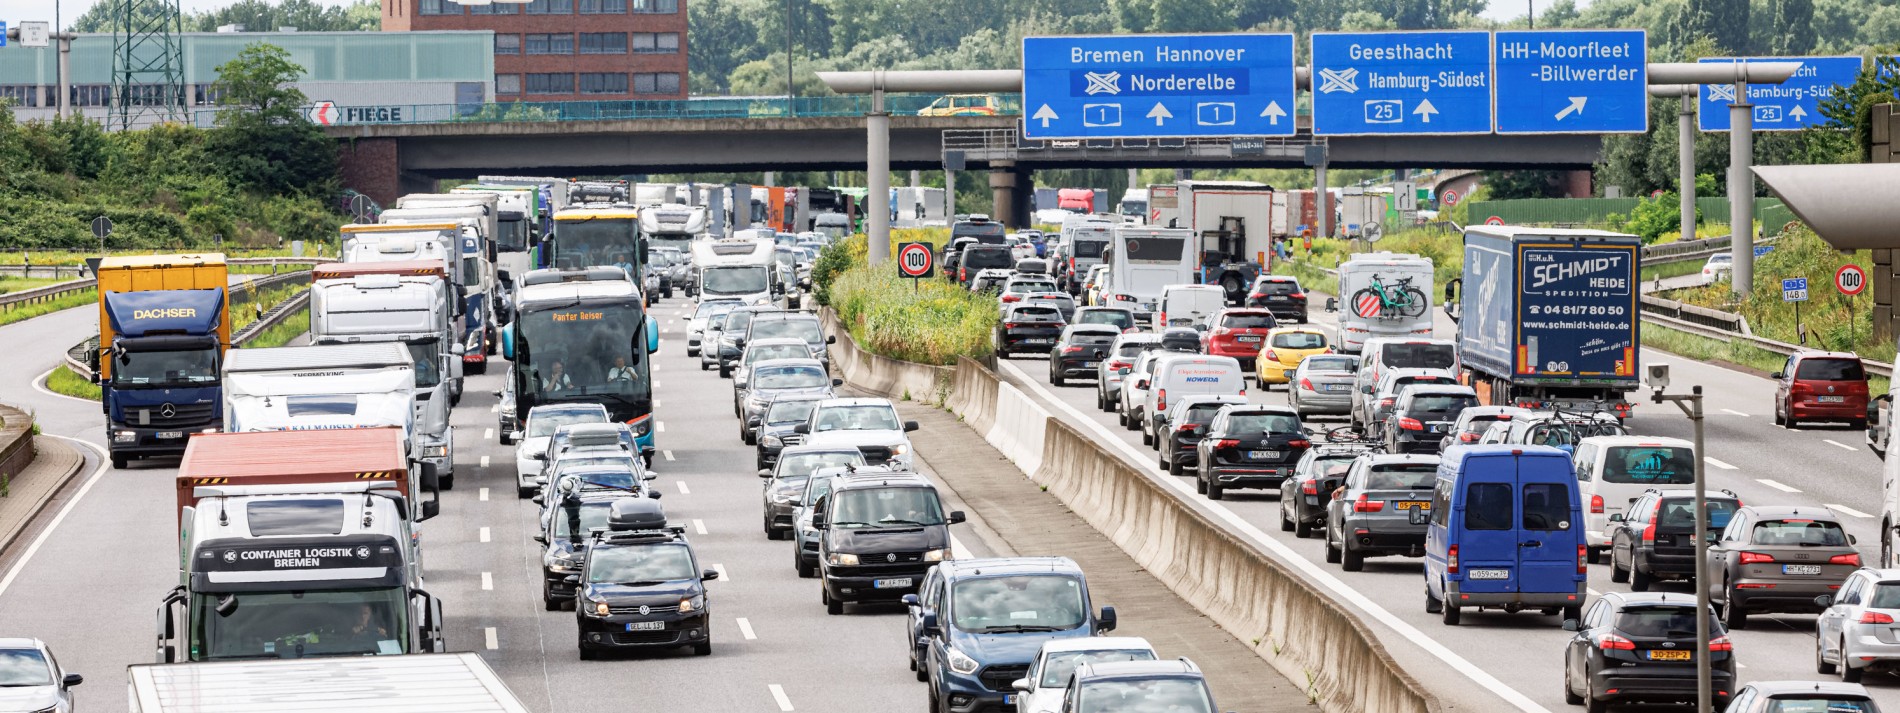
(1821, 386)
(1238, 332)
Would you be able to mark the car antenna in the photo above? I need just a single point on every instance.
(223, 518)
(368, 510)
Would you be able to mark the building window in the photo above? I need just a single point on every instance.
(507, 84)
(603, 43)
(507, 44)
(603, 83)
(551, 7)
(440, 7)
(550, 83)
(29, 94)
(498, 8)
(656, 42)
(562, 43)
(657, 7)
(603, 7)
(660, 83)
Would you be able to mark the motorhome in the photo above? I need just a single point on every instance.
(739, 268)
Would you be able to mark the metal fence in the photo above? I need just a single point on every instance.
(1596, 211)
(694, 108)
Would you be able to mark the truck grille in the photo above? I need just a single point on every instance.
(182, 415)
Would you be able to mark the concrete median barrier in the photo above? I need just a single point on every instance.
(973, 394)
(883, 375)
(1019, 428)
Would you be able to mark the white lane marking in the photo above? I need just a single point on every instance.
(485, 534)
(1718, 464)
(778, 694)
(38, 385)
(957, 549)
(721, 569)
(489, 634)
(494, 408)
(1839, 444)
(105, 463)
(659, 426)
(668, 453)
(484, 461)
(1312, 571)
(699, 526)
(488, 434)
(1734, 412)
(656, 403)
(488, 581)
(683, 489)
(1777, 486)
(745, 629)
(484, 494)
(1845, 510)
(1593, 591)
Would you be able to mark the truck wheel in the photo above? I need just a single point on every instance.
(1236, 292)
(119, 462)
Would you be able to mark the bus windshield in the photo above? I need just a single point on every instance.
(583, 352)
(600, 241)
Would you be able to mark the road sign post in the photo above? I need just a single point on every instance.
(1795, 289)
(1422, 83)
(1790, 106)
(1148, 86)
(1572, 81)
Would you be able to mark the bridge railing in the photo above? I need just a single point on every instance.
(618, 110)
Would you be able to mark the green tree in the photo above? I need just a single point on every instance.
(1525, 184)
(1793, 33)
(1851, 107)
(305, 15)
(262, 140)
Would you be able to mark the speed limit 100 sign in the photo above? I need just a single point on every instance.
(915, 260)
(1850, 280)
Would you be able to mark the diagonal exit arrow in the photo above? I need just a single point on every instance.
(1044, 115)
(1575, 107)
(1159, 113)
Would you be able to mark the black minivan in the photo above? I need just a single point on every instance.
(879, 532)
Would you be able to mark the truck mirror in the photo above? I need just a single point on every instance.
(428, 477)
(1332, 304)
(431, 508)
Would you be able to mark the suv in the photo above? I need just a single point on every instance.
(1121, 354)
(1239, 332)
(641, 586)
(1423, 415)
(1252, 446)
(1656, 539)
(1640, 648)
(795, 325)
(1028, 328)
(981, 622)
(868, 424)
(1080, 351)
(1374, 402)
(1304, 495)
(785, 483)
(977, 257)
(769, 380)
(564, 541)
(1778, 559)
(1180, 433)
(531, 449)
(878, 533)
(1281, 294)
(733, 336)
(1372, 512)
(1821, 386)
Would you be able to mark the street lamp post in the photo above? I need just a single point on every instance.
(1691, 406)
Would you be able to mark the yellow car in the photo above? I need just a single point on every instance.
(1284, 349)
(963, 105)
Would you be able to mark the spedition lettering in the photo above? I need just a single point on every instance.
(577, 316)
(169, 312)
(295, 557)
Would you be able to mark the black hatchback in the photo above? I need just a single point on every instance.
(1250, 446)
(1641, 648)
(1028, 328)
(1422, 416)
(1080, 351)
(1657, 538)
(1281, 295)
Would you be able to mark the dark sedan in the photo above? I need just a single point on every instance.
(1641, 648)
(1080, 351)
(1249, 447)
(1182, 433)
(776, 426)
(1028, 328)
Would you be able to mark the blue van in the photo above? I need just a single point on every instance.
(1506, 532)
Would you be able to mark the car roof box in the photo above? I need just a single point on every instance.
(636, 514)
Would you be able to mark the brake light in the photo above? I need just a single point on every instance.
(963, 273)
(1227, 443)
(1163, 319)
(1847, 559)
(1410, 424)
(1366, 504)
(1583, 559)
(1649, 532)
(1071, 350)
(1612, 642)
(1270, 355)
(1185, 428)
(1310, 487)
(1298, 295)
(1596, 504)
(1257, 296)
(1012, 298)
(1756, 558)
(1874, 617)
(1387, 401)
(1451, 559)
(1307, 384)
(1011, 325)
(1299, 443)
(1161, 400)
(1721, 643)
(1468, 437)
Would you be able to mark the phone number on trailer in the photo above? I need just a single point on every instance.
(1578, 310)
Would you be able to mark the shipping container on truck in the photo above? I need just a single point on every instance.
(164, 326)
(1232, 222)
(1550, 317)
(422, 683)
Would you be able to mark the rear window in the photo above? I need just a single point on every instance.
(1442, 402)
(1025, 286)
(1321, 363)
(1203, 414)
(1037, 313)
(1263, 423)
(977, 258)
(1091, 339)
(1299, 340)
(1277, 288)
(1886, 595)
(1116, 318)
(1798, 532)
(1488, 506)
(1405, 355)
(1546, 506)
(1799, 703)
(1830, 370)
(1087, 248)
(977, 230)
(1680, 513)
(1416, 476)
(1134, 348)
(1247, 321)
(1659, 621)
(1649, 465)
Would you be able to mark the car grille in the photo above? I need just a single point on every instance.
(792, 439)
(886, 558)
(998, 678)
(651, 609)
(874, 455)
(645, 637)
(184, 415)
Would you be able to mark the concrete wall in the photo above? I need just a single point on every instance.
(372, 167)
(1883, 275)
(884, 376)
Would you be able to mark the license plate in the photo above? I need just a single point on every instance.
(1668, 655)
(1036, 340)
(1801, 569)
(646, 625)
(890, 583)
(169, 435)
(1489, 574)
(1337, 387)
(1263, 454)
(1090, 364)
(1254, 340)
(1009, 700)
(1832, 399)
(1413, 505)
(1278, 298)
(1437, 428)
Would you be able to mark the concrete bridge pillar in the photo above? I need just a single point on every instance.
(1008, 203)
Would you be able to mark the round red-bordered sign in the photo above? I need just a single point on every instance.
(915, 259)
(1449, 197)
(1494, 220)
(1850, 280)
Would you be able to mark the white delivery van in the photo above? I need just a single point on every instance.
(1613, 471)
(1176, 375)
(1383, 295)
(1187, 305)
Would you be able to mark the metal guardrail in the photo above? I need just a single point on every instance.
(1008, 144)
(14, 300)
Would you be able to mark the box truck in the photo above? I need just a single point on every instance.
(164, 325)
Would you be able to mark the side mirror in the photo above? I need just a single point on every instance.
(431, 508)
(765, 473)
(930, 623)
(1021, 684)
(707, 575)
(514, 435)
(653, 494)
(1780, 375)
(911, 600)
(72, 679)
(1852, 540)
(1332, 304)
(542, 455)
(837, 382)
(1824, 601)
(650, 476)
(1367, 389)
(1572, 624)
(572, 579)
(538, 500)
(1106, 621)
(831, 340)
(910, 426)
(1616, 517)
(956, 516)
(540, 480)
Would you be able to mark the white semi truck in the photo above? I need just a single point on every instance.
(1232, 222)
(421, 242)
(459, 682)
(328, 387)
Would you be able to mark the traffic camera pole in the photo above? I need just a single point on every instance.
(1691, 406)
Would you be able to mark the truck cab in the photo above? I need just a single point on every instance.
(424, 242)
(164, 326)
(743, 269)
(327, 387)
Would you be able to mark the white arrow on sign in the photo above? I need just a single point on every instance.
(1798, 113)
(1045, 114)
(1273, 112)
(1425, 110)
(1575, 107)
(1159, 113)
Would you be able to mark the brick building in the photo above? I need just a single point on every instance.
(568, 50)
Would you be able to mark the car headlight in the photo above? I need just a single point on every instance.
(601, 608)
(772, 442)
(784, 498)
(441, 451)
(900, 449)
(960, 663)
(124, 436)
(692, 604)
(842, 559)
(937, 555)
(557, 563)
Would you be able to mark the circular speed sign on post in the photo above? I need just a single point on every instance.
(915, 260)
(1494, 220)
(1850, 280)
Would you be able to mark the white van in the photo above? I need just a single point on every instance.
(1133, 393)
(1187, 305)
(1176, 375)
(1612, 471)
(1383, 295)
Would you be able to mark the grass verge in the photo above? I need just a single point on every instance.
(285, 331)
(28, 311)
(250, 311)
(1704, 349)
(926, 321)
(1671, 269)
(64, 381)
(10, 285)
(1310, 277)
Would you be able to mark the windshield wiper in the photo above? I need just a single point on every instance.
(1018, 629)
(851, 523)
(904, 522)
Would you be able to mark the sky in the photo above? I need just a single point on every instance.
(13, 11)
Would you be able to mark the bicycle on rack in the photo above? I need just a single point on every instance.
(1399, 299)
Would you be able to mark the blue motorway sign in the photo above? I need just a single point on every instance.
(1572, 81)
(3, 34)
(1145, 86)
(1369, 83)
(1761, 250)
(1794, 289)
(1790, 106)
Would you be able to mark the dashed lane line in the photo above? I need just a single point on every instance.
(1839, 444)
(1734, 412)
(699, 526)
(1777, 485)
(488, 434)
(489, 635)
(484, 534)
(668, 453)
(488, 581)
(484, 494)
(484, 461)
(683, 489)
(745, 629)
(1845, 510)
(1718, 464)
(778, 694)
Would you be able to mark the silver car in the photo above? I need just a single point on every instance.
(696, 324)
(1857, 631)
(1121, 355)
(1379, 509)
(784, 489)
(32, 679)
(709, 347)
(1322, 384)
